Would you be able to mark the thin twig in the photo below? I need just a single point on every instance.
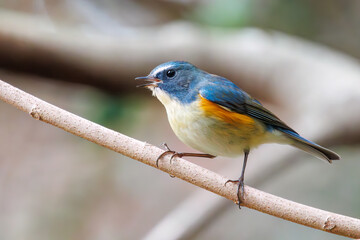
(201, 177)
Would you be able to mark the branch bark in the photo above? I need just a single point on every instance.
(192, 173)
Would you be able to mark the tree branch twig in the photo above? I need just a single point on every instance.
(192, 173)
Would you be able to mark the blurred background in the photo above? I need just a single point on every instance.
(299, 58)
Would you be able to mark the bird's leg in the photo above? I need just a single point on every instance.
(180, 154)
(240, 181)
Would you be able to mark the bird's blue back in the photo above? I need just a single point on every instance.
(225, 93)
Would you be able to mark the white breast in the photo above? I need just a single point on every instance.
(205, 134)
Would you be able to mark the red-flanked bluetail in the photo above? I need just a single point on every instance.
(213, 115)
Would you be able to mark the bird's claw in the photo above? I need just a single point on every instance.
(240, 189)
(232, 181)
(168, 150)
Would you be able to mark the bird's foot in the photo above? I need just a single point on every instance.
(240, 189)
(180, 154)
(168, 150)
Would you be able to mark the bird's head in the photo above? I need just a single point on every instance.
(177, 80)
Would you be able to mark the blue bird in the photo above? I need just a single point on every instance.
(213, 115)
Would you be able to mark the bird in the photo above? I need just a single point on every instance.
(216, 117)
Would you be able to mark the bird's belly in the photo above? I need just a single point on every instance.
(211, 135)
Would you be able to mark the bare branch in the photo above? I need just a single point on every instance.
(253, 56)
(201, 177)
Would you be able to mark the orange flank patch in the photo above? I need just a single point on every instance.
(214, 110)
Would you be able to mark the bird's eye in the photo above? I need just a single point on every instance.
(170, 73)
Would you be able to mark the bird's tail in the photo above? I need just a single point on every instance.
(310, 147)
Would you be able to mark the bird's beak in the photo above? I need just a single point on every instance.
(152, 82)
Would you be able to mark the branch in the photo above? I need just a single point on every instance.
(259, 59)
(192, 173)
(187, 220)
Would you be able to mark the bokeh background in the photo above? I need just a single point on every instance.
(300, 58)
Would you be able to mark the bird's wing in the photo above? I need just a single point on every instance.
(226, 94)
